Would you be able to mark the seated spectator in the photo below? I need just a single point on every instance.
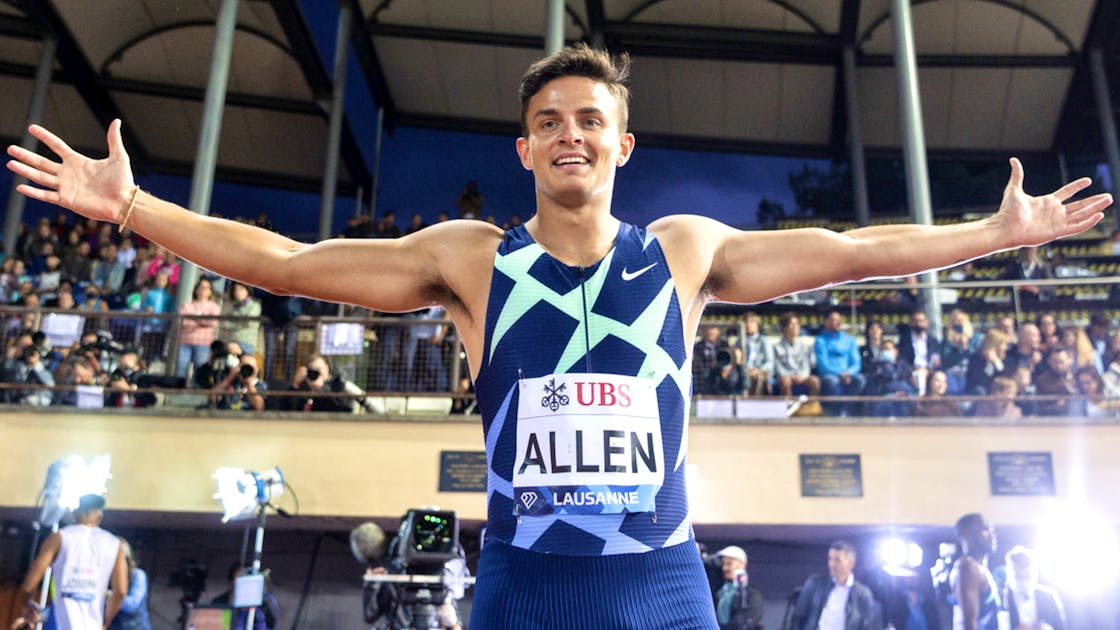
(759, 362)
(79, 265)
(1024, 382)
(241, 305)
(47, 281)
(1002, 401)
(986, 363)
(107, 273)
(1048, 331)
(12, 271)
(919, 349)
(241, 389)
(92, 301)
(872, 340)
(704, 354)
(1028, 350)
(1029, 265)
(889, 376)
(1112, 379)
(167, 263)
(1091, 386)
(838, 364)
(316, 379)
(1007, 325)
(126, 253)
(793, 360)
(1056, 379)
(934, 404)
(1077, 342)
(1098, 332)
(727, 378)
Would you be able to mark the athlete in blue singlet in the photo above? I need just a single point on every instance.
(576, 329)
(977, 603)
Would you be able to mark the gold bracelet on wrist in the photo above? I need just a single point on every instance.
(128, 212)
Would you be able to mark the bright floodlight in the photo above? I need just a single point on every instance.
(68, 480)
(896, 552)
(241, 491)
(1078, 549)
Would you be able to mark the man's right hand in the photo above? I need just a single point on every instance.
(98, 189)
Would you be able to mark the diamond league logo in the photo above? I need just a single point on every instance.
(554, 397)
(528, 499)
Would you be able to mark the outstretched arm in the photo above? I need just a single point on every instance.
(388, 275)
(751, 267)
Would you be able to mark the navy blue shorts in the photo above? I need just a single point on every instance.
(665, 588)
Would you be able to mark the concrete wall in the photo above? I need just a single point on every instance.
(922, 474)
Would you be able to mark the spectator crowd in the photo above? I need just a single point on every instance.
(239, 341)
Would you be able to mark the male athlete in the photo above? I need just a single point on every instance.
(577, 329)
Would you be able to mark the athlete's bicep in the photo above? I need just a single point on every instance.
(391, 275)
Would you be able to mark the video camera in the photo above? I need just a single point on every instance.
(416, 587)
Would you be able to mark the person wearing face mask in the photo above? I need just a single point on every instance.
(246, 328)
(889, 376)
(1031, 605)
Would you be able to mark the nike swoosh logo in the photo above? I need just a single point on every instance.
(628, 276)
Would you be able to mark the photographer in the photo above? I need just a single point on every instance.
(223, 358)
(124, 380)
(241, 389)
(315, 378)
(727, 377)
(75, 370)
(23, 364)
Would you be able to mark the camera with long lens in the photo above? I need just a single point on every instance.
(103, 344)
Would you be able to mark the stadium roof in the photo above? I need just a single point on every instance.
(762, 76)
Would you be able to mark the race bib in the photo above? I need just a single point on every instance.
(587, 444)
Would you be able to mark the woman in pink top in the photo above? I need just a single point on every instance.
(196, 335)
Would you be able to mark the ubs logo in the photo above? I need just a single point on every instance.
(554, 397)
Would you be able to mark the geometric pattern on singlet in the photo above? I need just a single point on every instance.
(618, 316)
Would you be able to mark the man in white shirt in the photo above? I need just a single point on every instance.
(85, 561)
(1032, 606)
(837, 601)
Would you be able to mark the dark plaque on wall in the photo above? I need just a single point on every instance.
(1021, 474)
(831, 475)
(462, 471)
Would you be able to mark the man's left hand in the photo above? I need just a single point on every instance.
(1030, 220)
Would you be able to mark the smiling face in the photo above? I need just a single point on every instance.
(574, 142)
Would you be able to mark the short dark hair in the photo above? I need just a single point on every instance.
(579, 60)
(845, 546)
(967, 522)
(786, 318)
